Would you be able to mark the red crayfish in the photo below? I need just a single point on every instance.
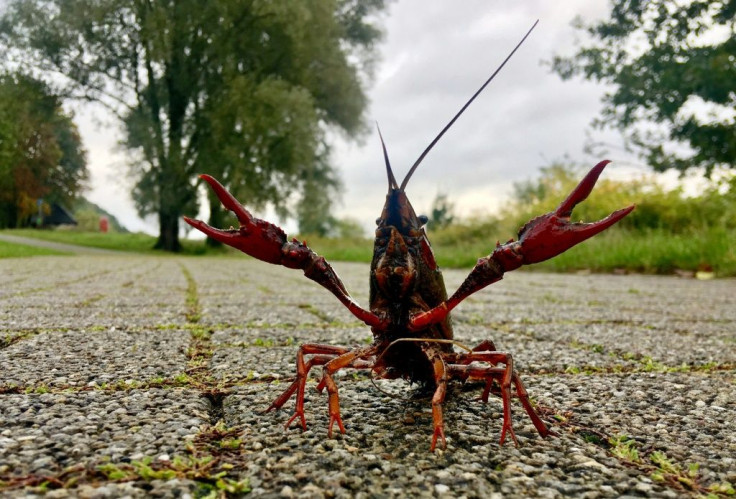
(409, 312)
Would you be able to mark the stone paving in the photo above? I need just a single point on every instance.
(147, 376)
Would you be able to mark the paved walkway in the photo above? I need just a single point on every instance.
(146, 376)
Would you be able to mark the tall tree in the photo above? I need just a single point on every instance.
(672, 65)
(241, 89)
(41, 154)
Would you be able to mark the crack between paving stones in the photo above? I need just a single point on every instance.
(79, 279)
(671, 475)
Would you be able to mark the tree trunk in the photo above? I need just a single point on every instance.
(217, 219)
(168, 238)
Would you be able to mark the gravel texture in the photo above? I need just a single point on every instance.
(107, 362)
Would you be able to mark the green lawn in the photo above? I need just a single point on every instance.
(12, 250)
(652, 251)
(137, 242)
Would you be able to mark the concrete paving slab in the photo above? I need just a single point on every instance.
(92, 358)
(46, 433)
(384, 434)
(615, 364)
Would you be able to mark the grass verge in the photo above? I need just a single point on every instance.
(655, 251)
(137, 242)
(650, 252)
(13, 250)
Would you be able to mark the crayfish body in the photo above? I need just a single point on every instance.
(409, 312)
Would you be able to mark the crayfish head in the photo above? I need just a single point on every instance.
(398, 213)
(395, 270)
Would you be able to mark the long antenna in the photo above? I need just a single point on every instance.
(389, 173)
(452, 121)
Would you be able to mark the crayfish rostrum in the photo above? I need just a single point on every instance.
(409, 312)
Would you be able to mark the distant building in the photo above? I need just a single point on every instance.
(58, 216)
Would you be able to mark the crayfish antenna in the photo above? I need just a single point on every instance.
(452, 121)
(391, 179)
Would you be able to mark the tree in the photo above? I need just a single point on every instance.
(240, 89)
(672, 66)
(442, 212)
(41, 154)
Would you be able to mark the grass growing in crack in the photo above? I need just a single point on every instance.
(644, 363)
(199, 353)
(201, 469)
(315, 312)
(38, 389)
(723, 488)
(9, 339)
(672, 471)
(663, 470)
(193, 313)
(260, 342)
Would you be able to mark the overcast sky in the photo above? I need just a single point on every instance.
(433, 57)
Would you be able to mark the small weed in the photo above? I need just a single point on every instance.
(624, 448)
(231, 443)
(115, 473)
(39, 389)
(560, 418)
(594, 347)
(145, 471)
(650, 365)
(592, 438)
(667, 471)
(260, 342)
(200, 333)
(725, 488)
(182, 379)
(202, 469)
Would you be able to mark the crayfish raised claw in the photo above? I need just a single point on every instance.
(409, 311)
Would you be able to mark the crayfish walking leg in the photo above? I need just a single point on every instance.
(322, 355)
(355, 359)
(504, 376)
(441, 379)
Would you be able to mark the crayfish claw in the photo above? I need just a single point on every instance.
(228, 200)
(549, 235)
(257, 238)
(582, 191)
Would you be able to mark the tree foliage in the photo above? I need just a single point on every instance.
(41, 154)
(240, 89)
(442, 212)
(672, 66)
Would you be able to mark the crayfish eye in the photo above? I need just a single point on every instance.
(378, 221)
(423, 219)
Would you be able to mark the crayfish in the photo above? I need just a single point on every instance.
(409, 313)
